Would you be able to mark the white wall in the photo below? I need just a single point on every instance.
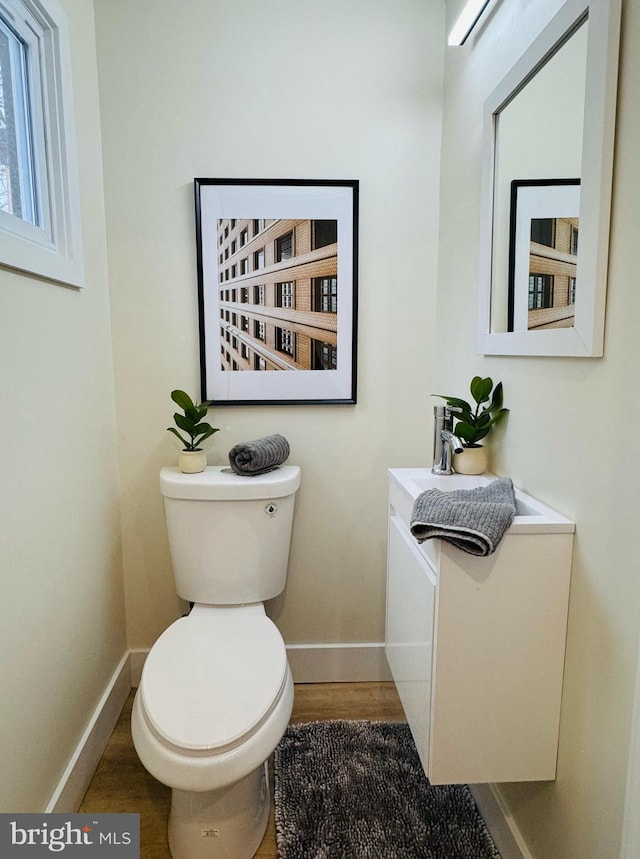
(62, 633)
(568, 441)
(282, 89)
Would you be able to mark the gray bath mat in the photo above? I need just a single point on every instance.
(356, 790)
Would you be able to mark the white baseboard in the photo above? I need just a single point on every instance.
(79, 771)
(310, 663)
(506, 835)
(631, 823)
(137, 658)
(318, 663)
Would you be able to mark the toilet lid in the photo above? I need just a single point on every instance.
(207, 684)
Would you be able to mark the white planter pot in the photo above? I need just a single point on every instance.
(192, 461)
(472, 460)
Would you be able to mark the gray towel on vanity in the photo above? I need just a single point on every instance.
(474, 520)
(249, 458)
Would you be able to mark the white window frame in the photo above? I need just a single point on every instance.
(52, 249)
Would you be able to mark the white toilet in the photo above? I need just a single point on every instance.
(216, 691)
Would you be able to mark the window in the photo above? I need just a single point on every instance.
(258, 330)
(324, 233)
(540, 291)
(284, 247)
(543, 231)
(258, 259)
(286, 341)
(325, 294)
(17, 166)
(244, 265)
(39, 199)
(258, 294)
(324, 355)
(574, 240)
(572, 290)
(284, 294)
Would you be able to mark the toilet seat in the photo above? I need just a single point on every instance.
(211, 681)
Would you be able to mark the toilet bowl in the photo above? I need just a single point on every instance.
(216, 690)
(215, 697)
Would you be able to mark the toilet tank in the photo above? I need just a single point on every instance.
(229, 535)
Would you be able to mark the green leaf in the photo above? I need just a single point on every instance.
(204, 427)
(208, 432)
(175, 432)
(496, 399)
(493, 420)
(467, 432)
(183, 400)
(480, 389)
(455, 401)
(184, 423)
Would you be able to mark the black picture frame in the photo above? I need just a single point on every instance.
(277, 263)
(539, 200)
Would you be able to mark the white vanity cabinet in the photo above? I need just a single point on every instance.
(476, 645)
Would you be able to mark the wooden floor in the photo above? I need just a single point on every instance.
(121, 783)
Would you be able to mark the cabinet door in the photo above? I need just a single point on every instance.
(411, 588)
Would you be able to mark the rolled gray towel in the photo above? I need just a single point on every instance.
(474, 520)
(257, 457)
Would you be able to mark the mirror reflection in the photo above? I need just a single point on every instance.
(537, 164)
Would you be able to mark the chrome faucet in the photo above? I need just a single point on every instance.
(445, 443)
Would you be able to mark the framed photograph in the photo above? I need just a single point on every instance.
(543, 254)
(277, 290)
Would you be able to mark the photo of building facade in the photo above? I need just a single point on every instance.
(552, 273)
(278, 294)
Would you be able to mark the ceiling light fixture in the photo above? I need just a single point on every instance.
(469, 17)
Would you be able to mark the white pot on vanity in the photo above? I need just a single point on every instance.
(472, 460)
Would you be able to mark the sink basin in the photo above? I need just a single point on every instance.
(532, 516)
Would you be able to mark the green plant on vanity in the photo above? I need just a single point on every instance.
(192, 425)
(475, 422)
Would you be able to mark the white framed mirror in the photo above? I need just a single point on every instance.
(547, 169)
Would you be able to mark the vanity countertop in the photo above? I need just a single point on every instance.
(532, 517)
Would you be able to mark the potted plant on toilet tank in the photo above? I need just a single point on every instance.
(195, 430)
(475, 422)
